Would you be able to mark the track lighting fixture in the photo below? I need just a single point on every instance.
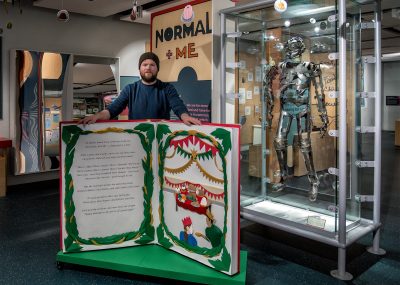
(137, 11)
(63, 15)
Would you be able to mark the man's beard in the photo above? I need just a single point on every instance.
(145, 77)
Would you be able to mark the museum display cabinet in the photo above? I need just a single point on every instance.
(293, 79)
(86, 106)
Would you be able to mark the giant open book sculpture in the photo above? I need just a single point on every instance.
(128, 183)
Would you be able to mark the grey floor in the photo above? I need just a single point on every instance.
(29, 241)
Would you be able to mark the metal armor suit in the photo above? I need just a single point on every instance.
(295, 80)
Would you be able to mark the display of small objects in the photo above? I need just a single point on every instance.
(192, 198)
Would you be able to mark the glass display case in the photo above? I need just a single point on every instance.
(86, 106)
(293, 80)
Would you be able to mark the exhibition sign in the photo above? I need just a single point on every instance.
(185, 51)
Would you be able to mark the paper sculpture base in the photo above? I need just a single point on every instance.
(156, 261)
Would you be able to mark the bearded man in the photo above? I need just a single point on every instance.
(148, 98)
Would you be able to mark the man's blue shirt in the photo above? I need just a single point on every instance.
(148, 101)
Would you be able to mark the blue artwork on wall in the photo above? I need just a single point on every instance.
(195, 93)
(30, 156)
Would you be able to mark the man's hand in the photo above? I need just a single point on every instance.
(88, 120)
(188, 120)
(324, 127)
(103, 115)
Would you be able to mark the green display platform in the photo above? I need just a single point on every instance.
(154, 260)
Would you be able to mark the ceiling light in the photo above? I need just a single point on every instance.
(280, 6)
(137, 11)
(63, 15)
(279, 46)
(287, 23)
(316, 29)
(312, 21)
(269, 37)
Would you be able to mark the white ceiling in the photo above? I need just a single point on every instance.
(84, 72)
(146, 19)
(120, 9)
(100, 8)
(93, 78)
(107, 8)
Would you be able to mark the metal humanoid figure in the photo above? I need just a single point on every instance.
(296, 78)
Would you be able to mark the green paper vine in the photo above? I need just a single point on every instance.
(145, 233)
(223, 149)
(223, 263)
(161, 237)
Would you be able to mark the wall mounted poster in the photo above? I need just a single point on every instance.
(128, 183)
(185, 51)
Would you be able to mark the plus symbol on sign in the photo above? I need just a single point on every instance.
(169, 54)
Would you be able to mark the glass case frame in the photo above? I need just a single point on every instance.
(298, 218)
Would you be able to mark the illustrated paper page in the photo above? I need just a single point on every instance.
(107, 185)
(198, 201)
(132, 183)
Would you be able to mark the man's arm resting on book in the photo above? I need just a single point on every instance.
(188, 120)
(102, 115)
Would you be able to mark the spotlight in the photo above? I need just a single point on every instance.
(280, 6)
(63, 15)
(269, 37)
(279, 46)
(137, 11)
